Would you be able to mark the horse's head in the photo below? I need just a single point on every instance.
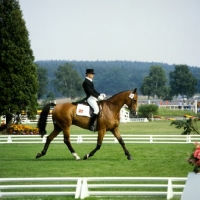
(131, 102)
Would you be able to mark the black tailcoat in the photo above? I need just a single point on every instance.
(88, 87)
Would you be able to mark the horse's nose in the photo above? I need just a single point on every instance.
(134, 112)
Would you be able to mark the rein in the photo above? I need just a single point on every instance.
(112, 103)
(130, 108)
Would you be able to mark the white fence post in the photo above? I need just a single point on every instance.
(188, 138)
(84, 189)
(78, 188)
(151, 138)
(9, 139)
(44, 139)
(79, 139)
(169, 189)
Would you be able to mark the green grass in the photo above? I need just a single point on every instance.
(150, 160)
(162, 127)
(174, 113)
(18, 160)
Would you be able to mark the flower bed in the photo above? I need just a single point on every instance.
(20, 129)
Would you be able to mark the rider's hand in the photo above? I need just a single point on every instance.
(104, 96)
(100, 97)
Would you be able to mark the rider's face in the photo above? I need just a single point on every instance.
(90, 76)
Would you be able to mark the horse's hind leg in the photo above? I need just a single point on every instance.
(121, 141)
(66, 134)
(53, 134)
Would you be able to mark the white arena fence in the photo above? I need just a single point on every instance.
(93, 186)
(90, 139)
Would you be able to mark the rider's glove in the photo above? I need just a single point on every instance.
(104, 96)
(100, 97)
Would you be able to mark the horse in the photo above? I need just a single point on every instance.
(64, 115)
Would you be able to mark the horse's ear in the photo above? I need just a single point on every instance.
(135, 90)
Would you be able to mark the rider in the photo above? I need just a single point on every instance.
(92, 96)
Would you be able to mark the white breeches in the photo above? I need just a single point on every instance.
(93, 103)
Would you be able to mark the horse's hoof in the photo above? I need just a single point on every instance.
(129, 158)
(86, 157)
(38, 155)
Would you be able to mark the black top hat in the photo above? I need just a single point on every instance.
(89, 71)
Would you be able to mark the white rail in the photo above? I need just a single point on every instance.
(27, 188)
(94, 186)
(168, 139)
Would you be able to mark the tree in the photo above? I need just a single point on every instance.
(42, 81)
(155, 83)
(167, 94)
(18, 78)
(182, 81)
(146, 86)
(50, 98)
(68, 81)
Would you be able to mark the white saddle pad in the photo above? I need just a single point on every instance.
(83, 110)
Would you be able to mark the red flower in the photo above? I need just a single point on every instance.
(197, 153)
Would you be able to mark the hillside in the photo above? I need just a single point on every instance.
(112, 76)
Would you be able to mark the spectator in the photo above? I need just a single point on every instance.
(189, 105)
(184, 105)
(180, 105)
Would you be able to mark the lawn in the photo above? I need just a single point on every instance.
(161, 127)
(150, 160)
(18, 160)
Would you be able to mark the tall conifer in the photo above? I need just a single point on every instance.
(18, 77)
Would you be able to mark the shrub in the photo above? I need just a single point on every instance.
(147, 110)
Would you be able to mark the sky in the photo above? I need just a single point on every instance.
(166, 31)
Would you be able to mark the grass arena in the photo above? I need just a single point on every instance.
(149, 160)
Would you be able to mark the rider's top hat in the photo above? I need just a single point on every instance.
(89, 71)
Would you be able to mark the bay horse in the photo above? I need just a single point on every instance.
(64, 115)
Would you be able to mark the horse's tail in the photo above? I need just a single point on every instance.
(42, 122)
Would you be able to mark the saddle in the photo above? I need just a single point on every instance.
(84, 108)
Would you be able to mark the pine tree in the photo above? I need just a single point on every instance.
(18, 77)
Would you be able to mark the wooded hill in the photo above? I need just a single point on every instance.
(112, 77)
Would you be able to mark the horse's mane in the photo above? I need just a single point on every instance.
(84, 100)
(118, 94)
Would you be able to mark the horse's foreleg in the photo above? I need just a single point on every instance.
(68, 143)
(121, 141)
(98, 146)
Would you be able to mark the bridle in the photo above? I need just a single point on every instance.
(130, 107)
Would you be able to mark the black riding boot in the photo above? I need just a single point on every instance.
(91, 124)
